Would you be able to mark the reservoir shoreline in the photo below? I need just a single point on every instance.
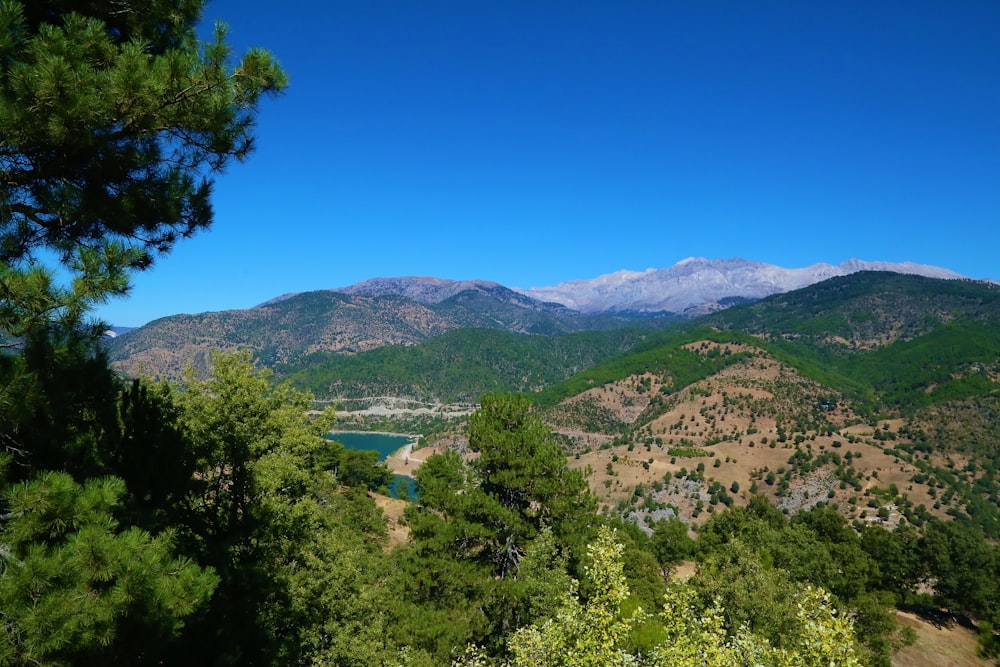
(399, 460)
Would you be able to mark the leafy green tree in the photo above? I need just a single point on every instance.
(849, 567)
(964, 567)
(151, 456)
(113, 119)
(643, 573)
(753, 554)
(525, 471)
(439, 478)
(753, 594)
(251, 442)
(895, 554)
(59, 405)
(532, 593)
(363, 469)
(299, 555)
(671, 544)
(594, 633)
(466, 573)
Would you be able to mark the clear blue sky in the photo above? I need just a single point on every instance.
(541, 141)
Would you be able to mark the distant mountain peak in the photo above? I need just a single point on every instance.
(703, 284)
(423, 289)
(692, 286)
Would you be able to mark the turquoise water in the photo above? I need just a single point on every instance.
(385, 444)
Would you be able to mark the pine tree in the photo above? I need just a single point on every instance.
(76, 589)
(112, 117)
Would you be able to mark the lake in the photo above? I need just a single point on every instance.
(385, 444)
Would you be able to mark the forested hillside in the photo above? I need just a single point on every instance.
(809, 484)
(736, 395)
(306, 328)
(459, 366)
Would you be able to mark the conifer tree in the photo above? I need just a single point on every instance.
(76, 589)
(112, 119)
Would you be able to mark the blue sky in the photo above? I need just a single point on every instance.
(536, 142)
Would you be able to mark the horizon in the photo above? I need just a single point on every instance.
(533, 145)
(286, 295)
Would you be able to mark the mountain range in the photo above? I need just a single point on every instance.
(697, 285)
(408, 310)
(691, 286)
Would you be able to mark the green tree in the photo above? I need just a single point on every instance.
(670, 543)
(896, 557)
(299, 555)
(76, 588)
(466, 575)
(964, 567)
(594, 632)
(58, 406)
(522, 468)
(439, 478)
(249, 439)
(112, 118)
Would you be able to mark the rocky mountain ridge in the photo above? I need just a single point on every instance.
(691, 287)
(696, 285)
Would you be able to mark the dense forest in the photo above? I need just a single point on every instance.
(208, 521)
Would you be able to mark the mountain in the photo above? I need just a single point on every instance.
(837, 326)
(422, 289)
(364, 317)
(864, 310)
(407, 310)
(840, 330)
(695, 285)
(876, 393)
(456, 367)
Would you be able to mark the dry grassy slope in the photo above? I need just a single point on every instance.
(737, 417)
(950, 645)
(276, 332)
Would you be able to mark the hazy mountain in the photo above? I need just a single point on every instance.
(363, 317)
(422, 289)
(704, 284)
(428, 289)
(846, 316)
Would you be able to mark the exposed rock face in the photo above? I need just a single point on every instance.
(703, 284)
(425, 289)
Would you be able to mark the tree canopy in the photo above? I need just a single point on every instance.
(113, 119)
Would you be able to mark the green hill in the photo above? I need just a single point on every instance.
(287, 330)
(906, 369)
(458, 366)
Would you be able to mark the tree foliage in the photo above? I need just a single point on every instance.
(112, 118)
(594, 632)
(493, 537)
(76, 588)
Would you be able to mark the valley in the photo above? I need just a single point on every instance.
(874, 393)
(872, 397)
